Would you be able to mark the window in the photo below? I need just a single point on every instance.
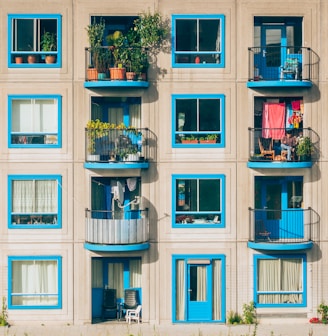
(33, 39)
(34, 282)
(198, 41)
(280, 280)
(198, 201)
(34, 121)
(198, 288)
(198, 120)
(35, 202)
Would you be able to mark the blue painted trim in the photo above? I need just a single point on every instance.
(59, 281)
(59, 201)
(279, 83)
(220, 17)
(279, 164)
(187, 257)
(280, 247)
(221, 97)
(281, 256)
(221, 177)
(116, 248)
(113, 165)
(58, 53)
(11, 98)
(116, 83)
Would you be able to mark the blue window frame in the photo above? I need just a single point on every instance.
(198, 201)
(34, 282)
(34, 121)
(34, 201)
(198, 120)
(198, 288)
(280, 280)
(26, 37)
(198, 41)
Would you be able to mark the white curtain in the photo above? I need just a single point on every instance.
(97, 273)
(217, 283)
(115, 278)
(135, 273)
(280, 275)
(180, 290)
(115, 115)
(34, 196)
(35, 115)
(134, 112)
(36, 280)
(201, 283)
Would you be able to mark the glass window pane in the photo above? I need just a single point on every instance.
(295, 194)
(186, 114)
(25, 35)
(209, 195)
(186, 37)
(209, 35)
(209, 115)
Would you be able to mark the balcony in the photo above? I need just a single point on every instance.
(117, 231)
(275, 66)
(103, 74)
(293, 229)
(117, 148)
(265, 148)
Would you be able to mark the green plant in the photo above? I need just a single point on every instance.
(118, 46)
(304, 147)
(96, 129)
(249, 313)
(4, 313)
(49, 41)
(323, 311)
(234, 318)
(95, 33)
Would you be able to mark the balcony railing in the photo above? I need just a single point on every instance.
(283, 226)
(117, 227)
(117, 145)
(265, 145)
(274, 63)
(101, 69)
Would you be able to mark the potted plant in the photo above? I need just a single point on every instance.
(210, 138)
(304, 148)
(189, 140)
(48, 44)
(95, 33)
(95, 129)
(118, 45)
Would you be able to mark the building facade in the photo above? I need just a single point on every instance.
(203, 201)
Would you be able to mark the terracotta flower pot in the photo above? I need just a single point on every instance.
(50, 59)
(19, 59)
(31, 59)
(117, 73)
(92, 74)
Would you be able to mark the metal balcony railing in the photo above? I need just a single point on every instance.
(100, 64)
(274, 63)
(292, 226)
(117, 227)
(265, 144)
(117, 145)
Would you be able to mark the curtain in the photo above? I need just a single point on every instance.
(97, 273)
(134, 112)
(37, 281)
(34, 196)
(180, 296)
(115, 278)
(217, 283)
(135, 273)
(201, 283)
(115, 115)
(273, 120)
(280, 275)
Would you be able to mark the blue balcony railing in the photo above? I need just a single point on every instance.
(290, 226)
(276, 65)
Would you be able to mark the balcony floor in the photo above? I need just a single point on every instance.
(116, 84)
(117, 248)
(280, 246)
(279, 83)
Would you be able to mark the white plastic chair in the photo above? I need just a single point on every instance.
(133, 314)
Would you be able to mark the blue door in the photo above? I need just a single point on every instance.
(199, 305)
(282, 200)
(274, 51)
